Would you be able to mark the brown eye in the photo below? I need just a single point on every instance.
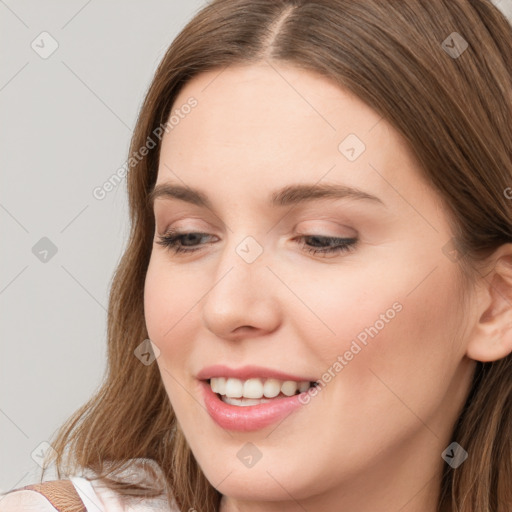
(327, 244)
(176, 241)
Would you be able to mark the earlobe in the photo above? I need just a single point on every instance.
(491, 338)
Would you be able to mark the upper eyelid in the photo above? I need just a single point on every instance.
(312, 231)
(340, 221)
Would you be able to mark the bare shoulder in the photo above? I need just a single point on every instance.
(26, 501)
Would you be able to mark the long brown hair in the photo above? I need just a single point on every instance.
(455, 112)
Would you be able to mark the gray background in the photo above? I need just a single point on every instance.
(66, 126)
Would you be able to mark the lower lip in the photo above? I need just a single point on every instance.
(250, 417)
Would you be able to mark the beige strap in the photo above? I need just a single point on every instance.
(60, 493)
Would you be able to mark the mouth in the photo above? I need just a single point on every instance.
(252, 398)
(255, 391)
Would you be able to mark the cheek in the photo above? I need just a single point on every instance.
(411, 361)
(418, 341)
(171, 322)
(348, 311)
(385, 335)
(169, 300)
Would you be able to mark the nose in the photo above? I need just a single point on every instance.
(241, 301)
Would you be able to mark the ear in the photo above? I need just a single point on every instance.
(491, 336)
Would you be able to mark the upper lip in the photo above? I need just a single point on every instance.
(248, 372)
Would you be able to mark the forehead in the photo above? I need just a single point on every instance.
(274, 123)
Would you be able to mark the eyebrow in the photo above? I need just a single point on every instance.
(287, 196)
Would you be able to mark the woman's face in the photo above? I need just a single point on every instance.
(376, 324)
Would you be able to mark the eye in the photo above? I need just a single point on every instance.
(187, 242)
(327, 244)
(175, 241)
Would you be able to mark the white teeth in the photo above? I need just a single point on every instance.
(289, 387)
(234, 388)
(271, 388)
(218, 385)
(255, 389)
(244, 402)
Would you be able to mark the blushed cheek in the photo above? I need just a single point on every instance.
(388, 325)
(353, 316)
(163, 309)
(155, 309)
(408, 360)
(173, 322)
(168, 306)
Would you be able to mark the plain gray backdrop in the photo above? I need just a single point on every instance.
(67, 116)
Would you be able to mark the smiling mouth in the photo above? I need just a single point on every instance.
(256, 391)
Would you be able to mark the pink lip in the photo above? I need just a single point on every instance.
(248, 372)
(251, 417)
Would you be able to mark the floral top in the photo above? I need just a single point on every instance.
(96, 496)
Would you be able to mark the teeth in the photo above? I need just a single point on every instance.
(234, 388)
(218, 385)
(303, 386)
(254, 389)
(243, 402)
(289, 387)
(271, 388)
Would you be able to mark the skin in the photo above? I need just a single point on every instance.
(372, 438)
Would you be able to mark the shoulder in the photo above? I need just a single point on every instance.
(27, 501)
(48, 496)
(93, 493)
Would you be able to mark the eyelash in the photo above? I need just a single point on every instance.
(170, 242)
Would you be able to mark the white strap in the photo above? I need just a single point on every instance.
(87, 494)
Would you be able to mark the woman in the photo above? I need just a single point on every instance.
(321, 256)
